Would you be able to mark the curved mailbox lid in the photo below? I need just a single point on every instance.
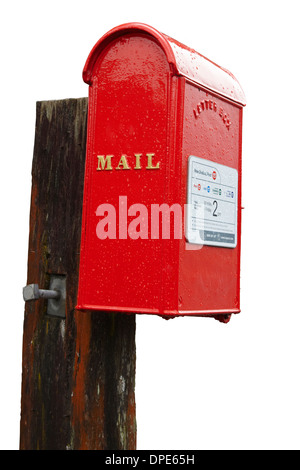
(183, 60)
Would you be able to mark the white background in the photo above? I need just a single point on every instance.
(200, 384)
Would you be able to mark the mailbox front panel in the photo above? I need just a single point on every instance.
(126, 172)
(209, 271)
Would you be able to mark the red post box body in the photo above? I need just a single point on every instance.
(161, 228)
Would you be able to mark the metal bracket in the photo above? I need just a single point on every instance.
(56, 295)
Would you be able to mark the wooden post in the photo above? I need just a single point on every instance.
(78, 373)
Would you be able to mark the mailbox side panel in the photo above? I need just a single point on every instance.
(126, 173)
(209, 276)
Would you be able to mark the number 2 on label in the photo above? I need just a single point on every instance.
(215, 203)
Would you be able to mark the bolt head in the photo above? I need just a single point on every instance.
(31, 292)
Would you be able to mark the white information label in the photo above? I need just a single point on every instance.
(212, 203)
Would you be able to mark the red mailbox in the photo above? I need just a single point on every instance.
(161, 229)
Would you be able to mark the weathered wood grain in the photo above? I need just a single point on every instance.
(78, 373)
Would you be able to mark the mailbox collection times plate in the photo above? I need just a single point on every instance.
(212, 203)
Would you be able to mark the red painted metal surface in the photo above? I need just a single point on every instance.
(153, 103)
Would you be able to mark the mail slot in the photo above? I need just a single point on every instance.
(161, 223)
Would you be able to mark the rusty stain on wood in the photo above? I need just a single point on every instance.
(78, 373)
